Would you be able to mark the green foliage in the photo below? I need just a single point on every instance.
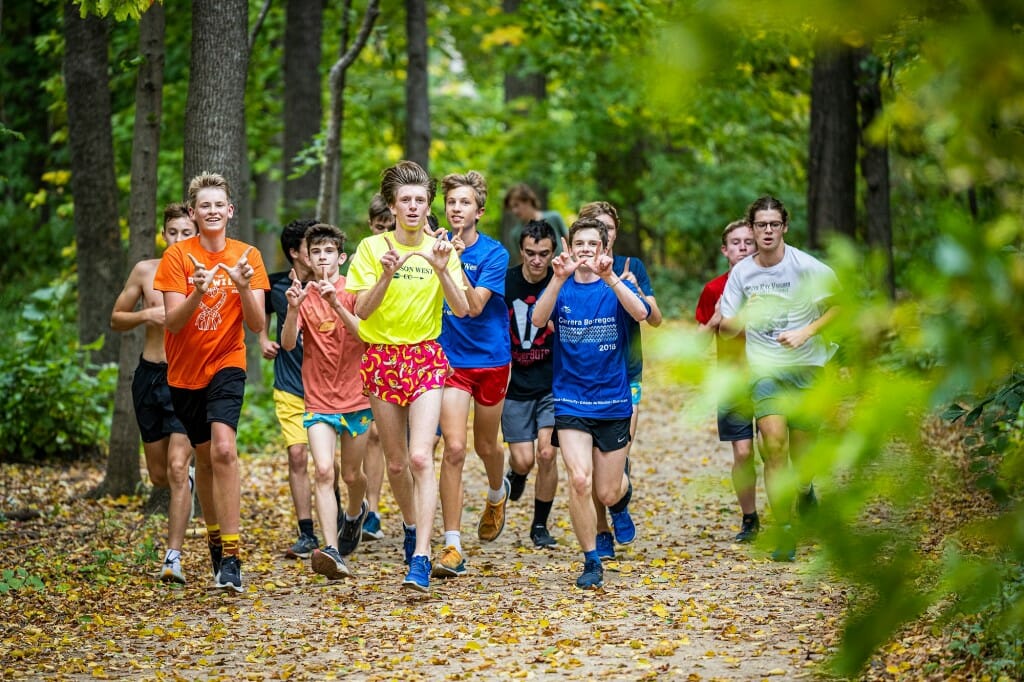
(120, 9)
(258, 429)
(12, 580)
(55, 401)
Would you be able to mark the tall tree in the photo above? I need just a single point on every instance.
(874, 163)
(417, 91)
(524, 88)
(302, 106)
(330, 180)
(122, 475)
(100, 260)
(215, 105)
(832, 158)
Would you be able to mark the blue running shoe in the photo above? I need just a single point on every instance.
(418, 577)
(409, 543)
(605, 545)
(592, 576)
(371, 527)
(625, 529)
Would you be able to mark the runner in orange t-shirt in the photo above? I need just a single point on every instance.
(211, 286)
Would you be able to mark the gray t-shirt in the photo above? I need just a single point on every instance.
(788, 295)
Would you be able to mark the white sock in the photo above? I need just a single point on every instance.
(453, 538)
(496, 496)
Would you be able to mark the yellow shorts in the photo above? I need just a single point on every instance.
(289, 409)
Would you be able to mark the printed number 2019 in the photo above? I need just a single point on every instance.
(606, 346)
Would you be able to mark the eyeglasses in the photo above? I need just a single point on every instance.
(775, 225)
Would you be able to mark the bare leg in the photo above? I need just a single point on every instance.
(393, 425)
(486, 420)
(454, 416)
(577, 453)
(353, 453)
(322, 438)
(547, 467)
(424, 413)
(179, 452)
(298, 480)
(599, 508)
(373, 467)
(227, 484)
(775, 448)
(156, 462)
(744, 474)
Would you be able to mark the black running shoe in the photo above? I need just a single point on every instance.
(516, 483)
(541, 537)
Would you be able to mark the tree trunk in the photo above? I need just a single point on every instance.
(123, 461)
(264, 209)
(330, 179)
(100, 260)
(302, 106)
(417, 95)
(215, 106)
(832, 158)
(874, 164)
(520, 84)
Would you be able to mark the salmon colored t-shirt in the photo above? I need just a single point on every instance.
(214, 338)
(330, 355)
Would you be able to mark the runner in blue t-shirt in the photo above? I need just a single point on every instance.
(590, 306)
(288, 393)
(479, 354)
(633, 271)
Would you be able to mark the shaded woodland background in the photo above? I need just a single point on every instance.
(893, 132)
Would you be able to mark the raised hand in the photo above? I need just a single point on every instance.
(629, 276)
(564, 264)
(601, 265)
(457, 242)
(392, 261)
(326, 288)
(202, 278)
(242, 272)
(296, 293)
(439, 253)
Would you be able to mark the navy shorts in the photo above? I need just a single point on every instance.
(151, 396)
(220, 401)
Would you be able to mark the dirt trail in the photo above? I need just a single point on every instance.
(682, 601)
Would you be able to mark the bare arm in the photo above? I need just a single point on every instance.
(476, 297)
(124, 317)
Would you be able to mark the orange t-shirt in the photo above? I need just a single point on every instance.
(214, 338)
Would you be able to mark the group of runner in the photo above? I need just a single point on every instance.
(428, 324)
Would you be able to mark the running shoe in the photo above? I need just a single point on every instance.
(807, 503)
(418, 577)
(303, 547)
(749, 529)
(216, 558)
(541, 537)
(605, 545)
(492, 521)
(230, 576)
(171, 572)
(330, 564)
(592, 576)
(409, 543)
(351, 532)
(371, 527)
(450, 565)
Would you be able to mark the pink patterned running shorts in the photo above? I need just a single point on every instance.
(399, 374)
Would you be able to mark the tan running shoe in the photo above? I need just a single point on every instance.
(492, 522)
(450, 565)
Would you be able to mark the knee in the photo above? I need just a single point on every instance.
(455, 453)
(546, 456)
(420, 462)
(158, 478)
(351, 475)
(222, 451)
(325, 473)
(297, 457)
(178, 472)
(580, 484)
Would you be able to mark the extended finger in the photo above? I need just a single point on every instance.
(199, 266)
(325, 272)
(245, 257)
(391, 247)
(625, 270)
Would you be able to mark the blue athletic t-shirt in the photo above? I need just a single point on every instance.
(635, 363)
(288, 363)
(590, 377)
(481, 341)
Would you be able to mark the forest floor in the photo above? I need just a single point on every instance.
(80, 600)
